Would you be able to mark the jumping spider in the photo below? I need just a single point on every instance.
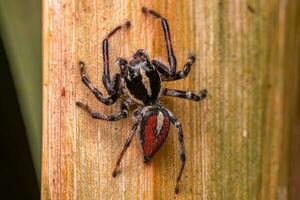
(139, 82)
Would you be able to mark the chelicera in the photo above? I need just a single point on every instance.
(139, 82)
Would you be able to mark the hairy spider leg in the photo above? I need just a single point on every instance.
(185, 94)
(108, 84)
(177, 124)
(106, 100)
(165, 26)
(169, 73)
(127, 143)
(123, 113)
(168, 76)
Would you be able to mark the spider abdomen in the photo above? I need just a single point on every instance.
(153, 130)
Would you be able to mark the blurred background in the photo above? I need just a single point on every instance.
(18, 178)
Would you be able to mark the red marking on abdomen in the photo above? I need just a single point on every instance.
(153, 140)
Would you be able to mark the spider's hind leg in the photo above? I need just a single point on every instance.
(126, 144)
(177, 124)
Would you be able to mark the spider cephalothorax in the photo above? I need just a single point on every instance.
(142, 80)
(139, 82)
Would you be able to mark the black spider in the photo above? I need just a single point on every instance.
(139, 82)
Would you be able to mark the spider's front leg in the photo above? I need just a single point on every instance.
(169, 73)
(106, 100)
(109, 85)
(185, 94)
(165, 26)
(168, 76)
(120, 115)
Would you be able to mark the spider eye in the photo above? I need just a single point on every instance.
(133, 74)
(131, 71)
